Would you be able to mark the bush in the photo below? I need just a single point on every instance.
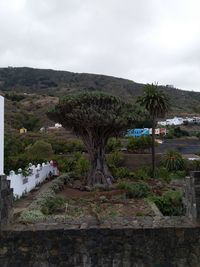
(14, 97)
(123, 185)
(121, 172)
(115, 159)
(178, 175)
(113, 144)
(82, 166)
(40, 150)
(138, 190)
(162, 173)
(52, 204)
(178, 132)
(74, 145)
(57, 185)
(30, 216)
(192, 165)
(170, 203)
(64, 178)
(142, 174)
(139, 144)
(173, 161)
(61, 162)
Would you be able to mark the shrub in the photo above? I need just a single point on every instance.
(40, 150)
(173, 161)
(61, 162)
(178, 175)
(142, 174)
(113, 144)
(57, 185)
(192, 165)
(139, 144)
(121, 172)
(170, 203)
(74, 145)
(52, 204)
(82, 166)
(178, 132)
(65, 178)
(115, 160)
(138, 190)
(30, 216)
(162, 173)
(132, 175)
(123, 185)
(14, 97)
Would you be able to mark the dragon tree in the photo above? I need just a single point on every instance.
(95, 117)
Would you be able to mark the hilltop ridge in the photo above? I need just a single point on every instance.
(40, 89)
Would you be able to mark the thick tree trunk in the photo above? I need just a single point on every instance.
(153, 149)
(99, 173)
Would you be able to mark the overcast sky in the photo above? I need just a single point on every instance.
(142, 40)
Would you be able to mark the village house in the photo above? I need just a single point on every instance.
(22, 130)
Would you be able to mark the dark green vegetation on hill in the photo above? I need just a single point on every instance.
(43, 87)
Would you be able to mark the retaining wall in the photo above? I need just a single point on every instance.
(138, 246)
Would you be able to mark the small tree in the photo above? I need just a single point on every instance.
(95, 117)
(157, 104)
(40, 150)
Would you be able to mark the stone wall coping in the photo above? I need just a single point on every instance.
(145, 222)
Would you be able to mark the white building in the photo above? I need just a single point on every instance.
(58, 125)
(174, 121)
(162, 123)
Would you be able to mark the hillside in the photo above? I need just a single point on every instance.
(30, 92)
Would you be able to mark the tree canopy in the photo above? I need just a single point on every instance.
(40, 150)
(154, 101)
(95, 116)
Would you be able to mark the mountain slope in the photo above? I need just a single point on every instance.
(40, 89)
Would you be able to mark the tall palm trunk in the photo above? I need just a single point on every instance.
(153, 148)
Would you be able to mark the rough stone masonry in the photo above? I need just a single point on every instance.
(6, 201)
(138, 242)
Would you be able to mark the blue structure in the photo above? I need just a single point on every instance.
(137, 132)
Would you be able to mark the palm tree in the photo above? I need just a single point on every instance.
(157, 104)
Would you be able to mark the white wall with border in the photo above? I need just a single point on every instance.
(39, 173)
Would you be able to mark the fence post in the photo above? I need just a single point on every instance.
(6, 201)
(192, 195)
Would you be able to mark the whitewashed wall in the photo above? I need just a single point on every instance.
(1, 135)
(21, 184)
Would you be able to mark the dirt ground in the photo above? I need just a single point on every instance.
(104, 204)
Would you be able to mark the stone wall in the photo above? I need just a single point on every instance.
(6, 201)
(131, 242)
(192, 195)
(42, 246)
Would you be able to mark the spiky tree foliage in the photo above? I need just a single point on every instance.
(157, 104)
(173, 161)
(95, 117)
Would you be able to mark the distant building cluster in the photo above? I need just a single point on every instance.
(57, 126)
(146, 132)
(180, 121)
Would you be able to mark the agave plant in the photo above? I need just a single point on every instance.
(173, 160)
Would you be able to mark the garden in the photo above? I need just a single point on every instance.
(96, 184)
(68, 198)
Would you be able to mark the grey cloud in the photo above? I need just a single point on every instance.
(145, 41)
